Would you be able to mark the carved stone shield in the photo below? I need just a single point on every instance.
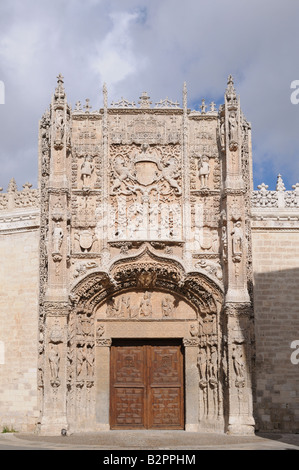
(146, 172)
(85, 239)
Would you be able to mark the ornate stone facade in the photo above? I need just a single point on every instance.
(145, 233)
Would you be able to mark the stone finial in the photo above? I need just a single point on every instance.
(78, 106)
(59, 92)
(144, 100)
(280, 185)
(12, 186)
(87, 106)
(230, 80)
(213, 108)
(296, 187)
(263, 187)
(230, 92)
(185, 97)
(203, 106)
(105, 96)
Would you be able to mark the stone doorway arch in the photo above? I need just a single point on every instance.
(145, 297)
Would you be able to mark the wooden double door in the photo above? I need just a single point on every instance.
(147, 385)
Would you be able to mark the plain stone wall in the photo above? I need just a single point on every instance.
(19, 279)
(276, 302)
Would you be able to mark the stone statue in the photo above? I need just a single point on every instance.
(202, 363)
(80, 361)
(57, 238)
(237, 241)
(89, 362)
(86, 171)
(239, 365)
(167, 306)
(54, 361)
(204, 171)
(145, 309)
(233, 130)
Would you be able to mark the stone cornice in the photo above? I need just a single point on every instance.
(19, 221)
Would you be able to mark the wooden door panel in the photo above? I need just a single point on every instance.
(166, 387)
(165, 366)
(166, 410)
(147, 386)
(129, 365)
(128, 387)
(129, 407)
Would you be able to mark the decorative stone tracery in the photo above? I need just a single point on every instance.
(144, 229)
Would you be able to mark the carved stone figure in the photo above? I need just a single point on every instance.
(203, 171)
(57, 238)
(170, 174)
(145, 308)
(233, 131)
(202, 364)
(80, 361)
(112, 308)
(89, 362)
(121, 173)
(213, 363)
(125, 308)
(167, 307)
(59, 129)
(87, 168)
(194, 330)
(239, 364)
(147, 279)
(237, 241)
(54, 360)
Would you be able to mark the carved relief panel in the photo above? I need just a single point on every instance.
(87, 154)
(204, 155)
(147, 304)
(145, 190)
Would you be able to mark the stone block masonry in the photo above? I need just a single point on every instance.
(276, 305)
(19, 274)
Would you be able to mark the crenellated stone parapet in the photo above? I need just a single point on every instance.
(275, 209)
(19, 210)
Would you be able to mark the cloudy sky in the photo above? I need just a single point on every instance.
(153, 46)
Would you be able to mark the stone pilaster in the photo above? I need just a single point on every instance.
(54, 417)
(191, 384)
(239, 318)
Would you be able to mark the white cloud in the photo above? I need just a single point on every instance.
(154, 46)
(114, 58)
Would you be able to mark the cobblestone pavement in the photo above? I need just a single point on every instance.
(149, 440)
